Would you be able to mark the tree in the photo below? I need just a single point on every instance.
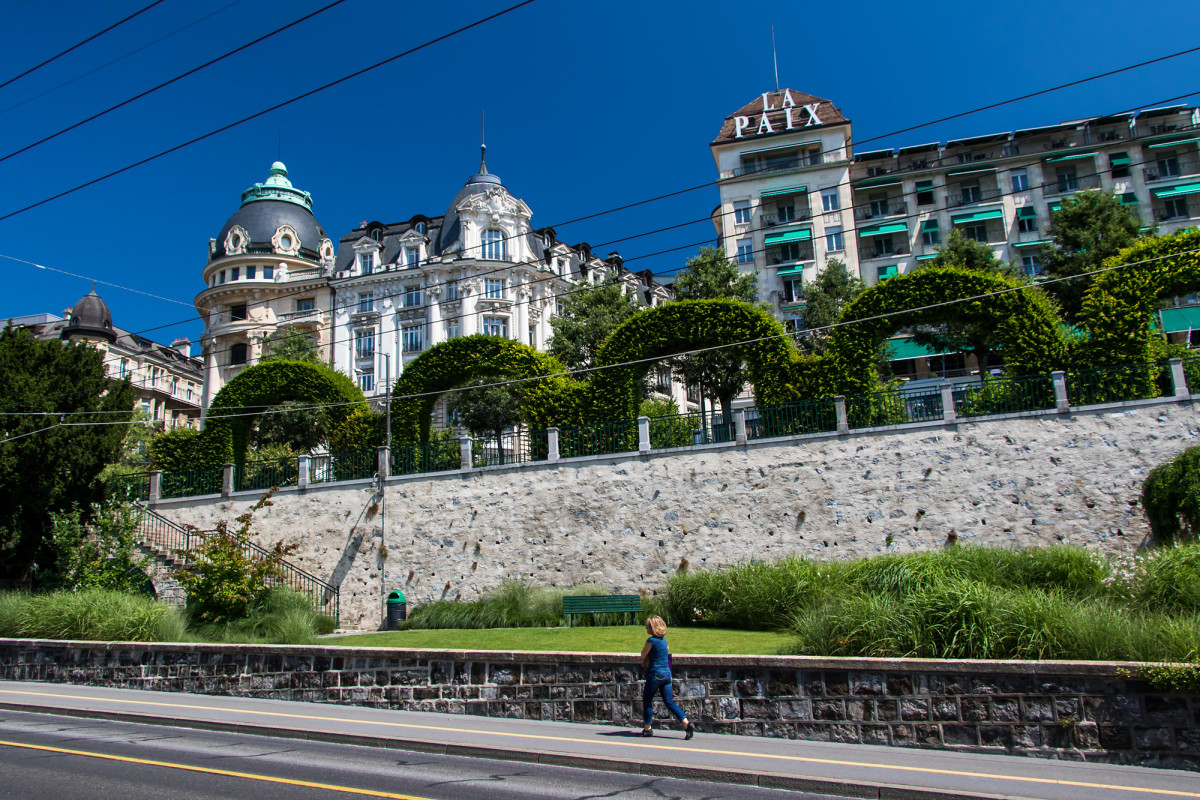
(587, 318)
(291, 344)
(51, 450)
(1089, 228)
(977, 338)
(101, 554)
(710, 275)
(135, 450)
(486, 410)
(824, 300)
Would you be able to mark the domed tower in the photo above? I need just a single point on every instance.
(267, 270)
(90, 320)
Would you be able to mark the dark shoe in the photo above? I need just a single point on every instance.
(690, 731)
(647, 732)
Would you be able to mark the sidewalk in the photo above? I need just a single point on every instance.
(821, 768)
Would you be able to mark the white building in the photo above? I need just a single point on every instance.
(794, 194)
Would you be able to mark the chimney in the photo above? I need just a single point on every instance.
(184, 346)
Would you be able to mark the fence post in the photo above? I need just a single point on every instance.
(1178, 377)
(155, 487)
(227, 480)
(949, 410)
(303, 471)
(739, 426)
(383, 461)
(643, 434)
(468, 458)
(839, 406)
(1062, 403)
(552, 445)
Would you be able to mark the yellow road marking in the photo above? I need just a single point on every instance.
(210, 771)
(639, 745)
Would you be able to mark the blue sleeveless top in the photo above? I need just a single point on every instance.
(658, 652)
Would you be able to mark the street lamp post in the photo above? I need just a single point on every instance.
(387, 388)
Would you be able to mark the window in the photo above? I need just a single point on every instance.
(175, 386)
(250, 272)
(833, 239)
(366, 302)
(305, 304)
(879, 204)
(412, 296)
(883, 246)
(1176, 207)
(221, 277)
(971, 192)
(366, 380)
(741, 212)
(237, 353)
(662, 379)
(930, 235)
(493, 288)
(420, 228)
(1067, 180)
(190, 388)
(235, 273)
(124, 367)
(793, 290)
(1168, 165)
(785, 210)
(268, 272)
(368, 263)
(412, 339)
(412, 257)
(533, 336)
(1118, 163)
(830, 201)
(1020, 180)
(790, 251)
(745, 251)
(451, 329)
(364, 344)
(976, 231)
(924, 193)
(493, 245)
(495, 326)
(1031, 266)
(375, 234)
(237, 313)
(883, 273)
(1026, 220)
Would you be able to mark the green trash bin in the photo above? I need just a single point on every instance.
(397, 609)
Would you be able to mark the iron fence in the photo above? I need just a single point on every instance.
(1114, 384)
(262, 475)
(893, 408)
(596, 440)
(790, 419)
(1005, 396)
(515, 447)
(415, 458)
(190, 482)
(131, 488)
(347, 466)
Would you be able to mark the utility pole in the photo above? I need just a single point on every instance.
(387, 394)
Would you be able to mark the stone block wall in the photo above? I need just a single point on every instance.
(1072, 710)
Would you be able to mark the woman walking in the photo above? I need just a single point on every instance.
(656, 659)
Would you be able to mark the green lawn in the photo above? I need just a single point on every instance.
(612, 639)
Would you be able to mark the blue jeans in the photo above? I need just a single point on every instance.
(658, 681)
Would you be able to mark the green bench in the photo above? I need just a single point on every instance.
(601, 604)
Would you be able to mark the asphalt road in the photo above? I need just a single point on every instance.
(517, 748)
(49, 757)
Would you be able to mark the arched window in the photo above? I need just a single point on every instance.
(493, 245)
(420, 228)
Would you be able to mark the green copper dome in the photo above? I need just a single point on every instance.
(277, 187)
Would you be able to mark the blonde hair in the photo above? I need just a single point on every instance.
(655, 626)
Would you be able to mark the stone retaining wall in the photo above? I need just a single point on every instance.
(1072, 710)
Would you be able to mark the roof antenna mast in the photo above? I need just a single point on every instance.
(482, 138)
(279, 146)
(775, 56)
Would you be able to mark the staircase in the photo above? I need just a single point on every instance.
(168, 544)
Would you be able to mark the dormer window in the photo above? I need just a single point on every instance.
(412, 257)
(367, 263)
(493, 245)
(419, 228)
(375, 234)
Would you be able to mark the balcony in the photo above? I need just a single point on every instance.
(881, 210)
(777, 257)
(868, 253)
(784, 164)
(1168, 169)
(972, 197)
(1071, 184)
(773, 220)
(311, 316)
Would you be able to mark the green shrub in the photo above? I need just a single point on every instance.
(1171, 497)
(92, 615)
(95, 553)
(279, 616)
(513, 604)
(1168, 579)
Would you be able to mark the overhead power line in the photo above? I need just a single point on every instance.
(80, 44)
(170, 81)
(266, 111)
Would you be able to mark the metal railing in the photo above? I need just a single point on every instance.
(596, 440)
(969, 198)
(414, 458)
(893, 408)
(174, 542)
(891, 208)
(262, 475)
(684, 430)
(1117, 383)
(1005, 396)
(790, 419)
(516, 447)
(800, 215)
(1068, 184)
(348, 466)
(132, 488)
(191, 483)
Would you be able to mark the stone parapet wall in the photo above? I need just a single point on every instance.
(1072, 710)
(627, 522)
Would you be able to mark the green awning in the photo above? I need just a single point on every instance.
(1024, 212)
(883, 273)
(791, 270)
(1055, 206)
(1072, 157)
(1120, 160)
(1038, 243)
(978, 216)
(875, 182)
(880, 230)
(1176, 191)
(1129, 199)
(900, 349)
(924, 186)
(790, 190)
(1181, 319)
(926, 258)
(972, 170)
(929, 225)
(1172, 144)
(788, 236)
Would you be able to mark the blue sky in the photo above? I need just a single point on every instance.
(589, 106)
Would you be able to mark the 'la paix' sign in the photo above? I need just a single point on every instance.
(787, 117)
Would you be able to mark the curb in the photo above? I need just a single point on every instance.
(859, 790)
